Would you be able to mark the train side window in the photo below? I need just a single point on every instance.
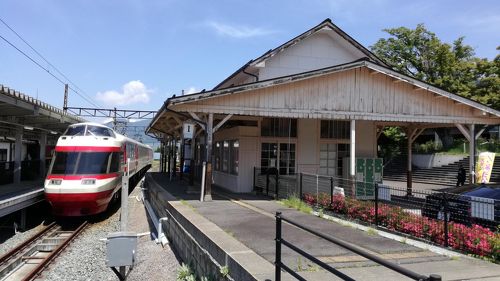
(115, 162)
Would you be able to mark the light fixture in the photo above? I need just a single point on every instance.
(28, 128)
(53, 132)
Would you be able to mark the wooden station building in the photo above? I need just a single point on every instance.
(307, 106)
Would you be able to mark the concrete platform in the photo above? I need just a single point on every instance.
(15, 197)
(249, 220)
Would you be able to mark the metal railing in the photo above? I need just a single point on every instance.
(279, 265)
(443, 218)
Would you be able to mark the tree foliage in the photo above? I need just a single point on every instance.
(453, 67)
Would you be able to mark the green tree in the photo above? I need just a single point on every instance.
(487, 88)
(453, 67)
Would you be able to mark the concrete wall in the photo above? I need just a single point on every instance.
(308, 145)
(366, 139)
(243, 182)
(434, 160)
(307, 150)
(201, 243)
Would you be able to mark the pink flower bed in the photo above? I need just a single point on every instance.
(473, 239)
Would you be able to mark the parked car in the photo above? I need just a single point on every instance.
(480, 206)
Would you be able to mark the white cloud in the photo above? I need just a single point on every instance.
(132, 92)
(191, 90)
(105, 120)
(238, 31)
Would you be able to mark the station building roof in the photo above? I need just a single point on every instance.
(18, 110)
(359, 86)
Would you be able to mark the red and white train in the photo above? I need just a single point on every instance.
(87, 167)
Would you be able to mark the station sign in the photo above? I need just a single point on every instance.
(188, 130)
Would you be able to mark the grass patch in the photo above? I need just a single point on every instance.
(185, 203)
(371, 231)
(294, 202)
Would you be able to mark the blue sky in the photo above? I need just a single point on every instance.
(134, 54)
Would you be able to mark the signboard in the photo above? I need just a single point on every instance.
(484, 167)
(188, 130)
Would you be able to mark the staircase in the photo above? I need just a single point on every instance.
(443, 175)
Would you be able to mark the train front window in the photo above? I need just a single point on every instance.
(64, 163)
(93, 162)
(98, 131)
(75, 131)
(80, 163)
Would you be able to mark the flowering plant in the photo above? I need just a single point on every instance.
(472, 239)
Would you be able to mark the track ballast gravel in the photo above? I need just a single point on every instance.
(85, 257)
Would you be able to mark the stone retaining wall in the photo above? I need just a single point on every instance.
(201, 243)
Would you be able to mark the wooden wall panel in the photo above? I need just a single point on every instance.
(356, 92)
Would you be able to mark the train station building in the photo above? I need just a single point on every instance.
(313, 104)
(29, 129)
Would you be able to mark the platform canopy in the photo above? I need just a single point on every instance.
(20, 111)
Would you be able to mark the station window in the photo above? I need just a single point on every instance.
(278, 127)
(3, 154)
(226, 156)
(217, 152)
(335, 129)
(234, 160)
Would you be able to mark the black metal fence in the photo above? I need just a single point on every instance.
(6, 172)
(465, 223)
(279, 265)
(30, 170)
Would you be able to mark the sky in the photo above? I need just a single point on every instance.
(134, 54)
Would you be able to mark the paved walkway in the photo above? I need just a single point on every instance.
(17, 196)
(14, 189)
(250, 219)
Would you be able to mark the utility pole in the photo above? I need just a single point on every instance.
(114, 119)
(65, 103)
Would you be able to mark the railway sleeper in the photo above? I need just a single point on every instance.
(47, 247)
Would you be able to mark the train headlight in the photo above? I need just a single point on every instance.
(88, 181)
(55, 182)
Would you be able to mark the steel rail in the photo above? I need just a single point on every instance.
(40, 267)
(26, 243)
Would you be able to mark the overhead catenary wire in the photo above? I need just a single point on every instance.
(47, 61)
(47, 70)
(83, 95)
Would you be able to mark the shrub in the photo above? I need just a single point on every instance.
(475, 239)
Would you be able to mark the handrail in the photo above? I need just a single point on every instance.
(339, 242)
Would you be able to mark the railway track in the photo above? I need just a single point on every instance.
(28, 260)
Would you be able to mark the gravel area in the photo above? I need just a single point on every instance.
(18, 238)
(85, 257)
(37, 215)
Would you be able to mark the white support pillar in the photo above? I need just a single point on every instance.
(17, 155)
(472, 153)
(409, 175)
(353, 157)
(43, 146)
(208, 177)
